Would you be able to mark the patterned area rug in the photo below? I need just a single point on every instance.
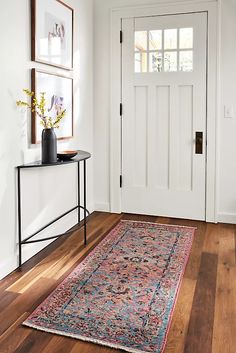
(123, 294)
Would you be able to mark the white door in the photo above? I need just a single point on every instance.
(164, 115)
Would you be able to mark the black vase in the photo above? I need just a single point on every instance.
(49, 146)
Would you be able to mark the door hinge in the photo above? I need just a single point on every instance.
(121, 180)
(121, 37)
(121, 109)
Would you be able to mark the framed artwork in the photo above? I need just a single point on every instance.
(59, 96)
(52, 33)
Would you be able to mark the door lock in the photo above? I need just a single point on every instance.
(199, 142)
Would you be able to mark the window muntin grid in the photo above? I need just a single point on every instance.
(164, 50)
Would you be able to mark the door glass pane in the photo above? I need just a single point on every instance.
(155, 62)
(140, 41)
(186, 60)
(170, 61)
(172, 55)
(140, 62)
(170, 38)
(155, 40)
(186, 38)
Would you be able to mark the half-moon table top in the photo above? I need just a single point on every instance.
(81, 156)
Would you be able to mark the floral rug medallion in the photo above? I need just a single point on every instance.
(123, 294)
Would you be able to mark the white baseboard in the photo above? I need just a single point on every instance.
(102, 207)
(226, 218)
(8, 267)
(91, 208)
(28, 252)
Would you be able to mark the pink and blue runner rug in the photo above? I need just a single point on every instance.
(123, 294)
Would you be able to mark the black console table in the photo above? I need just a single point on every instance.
(82, 156)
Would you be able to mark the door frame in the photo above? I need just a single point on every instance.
(117, 15)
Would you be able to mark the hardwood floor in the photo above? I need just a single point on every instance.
(204, 319)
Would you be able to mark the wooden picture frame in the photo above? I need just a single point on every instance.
(52, 33)
(57, 87)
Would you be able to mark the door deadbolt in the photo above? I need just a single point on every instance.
(199, 142)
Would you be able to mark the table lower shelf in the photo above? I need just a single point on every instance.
(29, 241)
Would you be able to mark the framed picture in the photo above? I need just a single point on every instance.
(52, 33)
(58, 91)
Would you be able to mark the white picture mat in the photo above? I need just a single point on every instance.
(60, 87)
(48, 13)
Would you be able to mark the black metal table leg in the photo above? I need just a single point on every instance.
(82, 156)
(79, 192)
(19, 215)
(85, 197)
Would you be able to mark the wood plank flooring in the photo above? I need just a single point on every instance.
(204, 319)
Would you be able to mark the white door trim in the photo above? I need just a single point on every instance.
(115, 127)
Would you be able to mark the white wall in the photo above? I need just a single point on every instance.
(47, 192)
(227, 127)
(226, 187)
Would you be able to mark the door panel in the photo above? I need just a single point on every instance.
(161, 172)
(140, 133)
(164, 99)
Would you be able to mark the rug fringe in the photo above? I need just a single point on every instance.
(160, 224)
(83, 338)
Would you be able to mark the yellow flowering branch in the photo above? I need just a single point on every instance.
(38, 107)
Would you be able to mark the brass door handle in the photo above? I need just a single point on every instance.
(199, 142)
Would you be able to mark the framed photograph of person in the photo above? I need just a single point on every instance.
(52, 33)
(58, 95)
